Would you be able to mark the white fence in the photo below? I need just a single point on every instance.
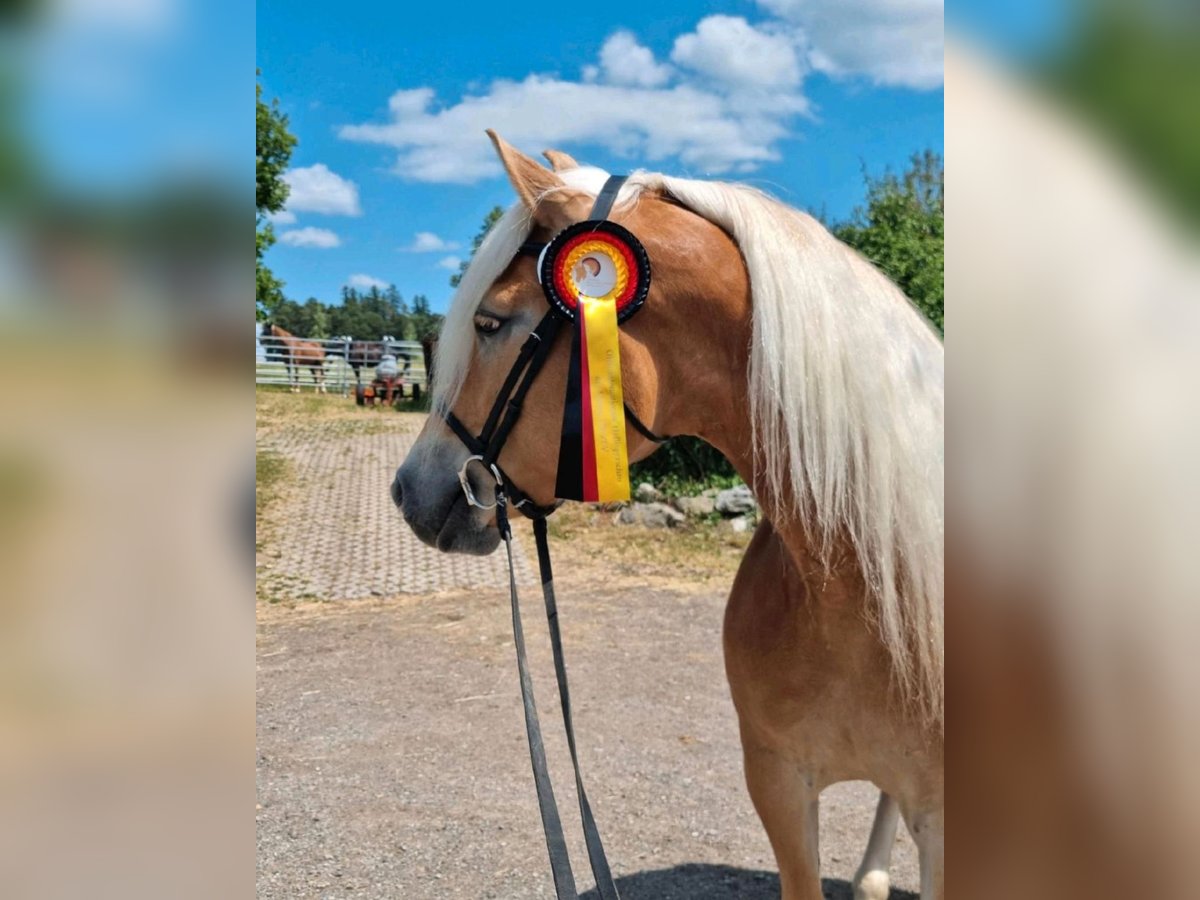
(334, 364)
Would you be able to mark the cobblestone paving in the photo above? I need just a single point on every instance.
(336, 534)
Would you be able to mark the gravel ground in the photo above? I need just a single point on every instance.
(392, 760)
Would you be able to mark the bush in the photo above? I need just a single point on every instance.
(684, 466)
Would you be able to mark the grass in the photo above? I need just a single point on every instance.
(280, 410)
(270, 472)
(672, 485)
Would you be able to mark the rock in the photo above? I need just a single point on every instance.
(739, 525)
(647, 493)
(710, 492)
(736, 501)
(650, 515)
(696, 507)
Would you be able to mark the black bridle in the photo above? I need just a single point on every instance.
(485, 449)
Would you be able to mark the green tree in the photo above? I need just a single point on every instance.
(489, 220)
(316, 319)
(273, 148)
(20, 179)
(1133, 71)
(425, 322)
(901, 229)
(289, 315)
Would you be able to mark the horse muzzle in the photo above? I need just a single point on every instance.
(436, 509)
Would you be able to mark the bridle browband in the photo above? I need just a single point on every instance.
(485, 449)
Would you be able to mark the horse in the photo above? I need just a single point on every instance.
(364, 354)
(813, 374)
(294, 352)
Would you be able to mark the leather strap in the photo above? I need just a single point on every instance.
(556, 845)
(639, 427)
(560, 862)
(591, 834)
(607, 197)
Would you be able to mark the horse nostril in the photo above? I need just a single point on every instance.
(397, 491)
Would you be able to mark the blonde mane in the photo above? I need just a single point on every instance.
(846, 393)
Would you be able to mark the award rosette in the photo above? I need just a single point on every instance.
(597, 275)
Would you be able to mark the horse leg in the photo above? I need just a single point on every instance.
(787, 802)
(293, 378)
(871, 881)
(927, 828)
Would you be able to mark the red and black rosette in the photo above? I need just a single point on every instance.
(597, 259)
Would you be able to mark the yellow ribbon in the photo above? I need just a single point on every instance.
(607, 398)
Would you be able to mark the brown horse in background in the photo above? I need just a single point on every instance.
(294, 352)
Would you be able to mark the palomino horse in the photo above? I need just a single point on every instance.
(811, 372)
(295, 352)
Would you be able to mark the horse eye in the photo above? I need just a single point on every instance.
(487, 324)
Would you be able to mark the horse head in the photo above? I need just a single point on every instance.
(695, 311)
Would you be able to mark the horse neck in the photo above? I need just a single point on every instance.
(705, 391)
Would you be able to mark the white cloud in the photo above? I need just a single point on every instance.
(892, 42)
(428, 242)
(365, 282)
(624, 61)
(451, 263)
(734, 92)
(321, 238)
(707, 126)
(283, 217)
(317, 189)
(731, 51)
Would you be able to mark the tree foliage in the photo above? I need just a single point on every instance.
(489, 220)
(273, 148)
(1133, 70)
(368, 315)
(901, 229)
(20, 179)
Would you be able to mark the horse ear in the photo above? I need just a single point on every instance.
(560, 161)
(542, 192)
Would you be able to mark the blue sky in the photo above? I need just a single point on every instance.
(389, 102)
(123, 95)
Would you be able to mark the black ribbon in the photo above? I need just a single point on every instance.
(569, 482)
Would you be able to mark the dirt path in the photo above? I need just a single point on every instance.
(392, 760)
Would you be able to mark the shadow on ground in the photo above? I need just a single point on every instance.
(697, 881)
